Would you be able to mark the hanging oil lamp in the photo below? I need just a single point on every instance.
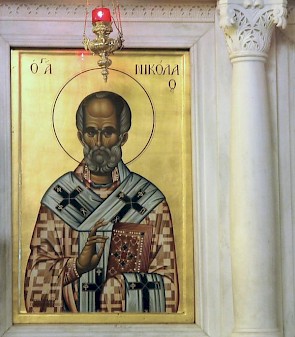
(103, 45)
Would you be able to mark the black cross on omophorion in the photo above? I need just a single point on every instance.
(130, 203)
(144, 285)
(70, 199)
(95, 287)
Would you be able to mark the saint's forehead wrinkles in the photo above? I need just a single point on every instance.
(105, 121)
(93, 118)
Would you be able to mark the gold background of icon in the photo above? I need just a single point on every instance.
(47, 87)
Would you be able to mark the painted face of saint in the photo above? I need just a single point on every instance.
(101, 138)
(100, 124)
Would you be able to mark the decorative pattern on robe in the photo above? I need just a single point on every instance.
(51, 277)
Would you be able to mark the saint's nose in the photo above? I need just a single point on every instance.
(98, 138)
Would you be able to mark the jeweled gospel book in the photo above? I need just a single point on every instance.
(130, 248)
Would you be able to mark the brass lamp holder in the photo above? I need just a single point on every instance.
(103, 45)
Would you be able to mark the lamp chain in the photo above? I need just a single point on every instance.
(86, 17)
(117, 13)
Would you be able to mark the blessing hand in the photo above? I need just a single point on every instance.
(89, 258)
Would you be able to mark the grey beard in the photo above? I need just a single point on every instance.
(101, 160)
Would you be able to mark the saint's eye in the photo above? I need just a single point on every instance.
(108, 132)
(91, 132)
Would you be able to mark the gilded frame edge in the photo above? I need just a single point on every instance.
(18, 158)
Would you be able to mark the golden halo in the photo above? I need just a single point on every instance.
(86, 82)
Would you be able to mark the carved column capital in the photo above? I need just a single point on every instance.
(248, 25)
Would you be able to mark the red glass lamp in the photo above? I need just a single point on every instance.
(101, 14)
(103, 45)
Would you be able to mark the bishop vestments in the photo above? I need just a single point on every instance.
(137, 272)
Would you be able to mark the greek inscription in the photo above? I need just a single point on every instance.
(138, 69)
(159, 68)
(172, 85)
(41, 67)
(34, 68)
(156, 69)
(175, 69)
(48, 69)
(151, 69)
(166, 70)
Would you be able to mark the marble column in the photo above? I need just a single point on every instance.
(248, 27)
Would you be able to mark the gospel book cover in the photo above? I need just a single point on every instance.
(130, 248)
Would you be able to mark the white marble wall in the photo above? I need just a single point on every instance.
(195, 26)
